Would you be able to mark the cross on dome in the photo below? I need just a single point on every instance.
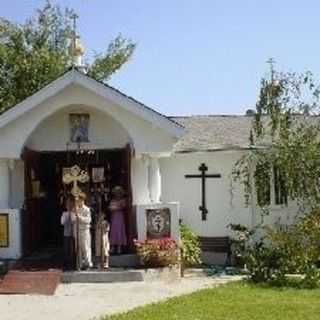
(76, 48)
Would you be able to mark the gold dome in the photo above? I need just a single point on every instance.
(76, 48)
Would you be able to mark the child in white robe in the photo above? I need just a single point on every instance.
(102, 240)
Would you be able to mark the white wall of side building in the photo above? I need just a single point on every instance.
(224, 206)
(223, 210)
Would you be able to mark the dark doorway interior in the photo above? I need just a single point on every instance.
(44, 192)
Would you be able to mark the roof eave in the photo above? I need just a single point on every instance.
(76, 77)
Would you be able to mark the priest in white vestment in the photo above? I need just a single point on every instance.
(84, 220)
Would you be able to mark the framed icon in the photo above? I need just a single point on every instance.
(79, 127)
(158, 223)
(98, 174)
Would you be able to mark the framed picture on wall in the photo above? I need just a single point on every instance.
(79, 127)
(4, 230)
(158, 223)
(65, 170)
(35, 189)
(98, 174)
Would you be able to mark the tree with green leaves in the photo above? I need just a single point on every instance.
(36, 52)
(285, 141)
(285, 149)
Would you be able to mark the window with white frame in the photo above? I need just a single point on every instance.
(279, 188)
(274, 192)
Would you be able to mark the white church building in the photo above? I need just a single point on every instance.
(177, 167)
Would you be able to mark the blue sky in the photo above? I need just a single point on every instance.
(196, 56)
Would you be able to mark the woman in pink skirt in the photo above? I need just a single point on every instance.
(118, 238)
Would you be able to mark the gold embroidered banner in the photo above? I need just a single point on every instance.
(4, 230)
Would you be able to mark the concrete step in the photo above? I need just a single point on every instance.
(196, 272)
(124, 260)
(96, 276)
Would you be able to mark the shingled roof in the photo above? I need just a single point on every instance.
(214, 132)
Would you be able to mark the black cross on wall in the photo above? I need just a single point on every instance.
(203, 169)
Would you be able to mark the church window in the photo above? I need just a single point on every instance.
(270, 186)
(262, 183)
(280, 190)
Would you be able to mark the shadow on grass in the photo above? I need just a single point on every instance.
(288, 283)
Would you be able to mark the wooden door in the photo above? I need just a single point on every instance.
(31, 233)
(126, 182)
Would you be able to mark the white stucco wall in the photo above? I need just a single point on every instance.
(145, 136)
(222, 210)
(139, 181)
(54, 132)
(16, 198)
(14, 251)
(224, 207)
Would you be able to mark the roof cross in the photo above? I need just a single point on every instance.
(74, 17)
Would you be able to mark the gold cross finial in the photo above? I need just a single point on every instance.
(74, 17)
(74, 36)
(76, 49)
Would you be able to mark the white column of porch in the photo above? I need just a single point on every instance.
(13, 249)
(154, 188)
(154, 180)
(4, 184)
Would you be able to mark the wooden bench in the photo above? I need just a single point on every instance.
(217, 244)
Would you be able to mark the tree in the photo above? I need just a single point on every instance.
(285, 146)
(36, 52)
(285, 140)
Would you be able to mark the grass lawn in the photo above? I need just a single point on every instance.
(237, 301)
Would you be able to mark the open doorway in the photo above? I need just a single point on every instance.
(45, 195)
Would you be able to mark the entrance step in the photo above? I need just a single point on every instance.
(35, 282)
(102, 276)
(168, 274)
(124, 261)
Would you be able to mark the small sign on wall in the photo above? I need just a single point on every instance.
(4, 230)
(158, 223)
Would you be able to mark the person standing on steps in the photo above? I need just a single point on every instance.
(68, 242)
(102, 241)
(83, 214)
(118, 238)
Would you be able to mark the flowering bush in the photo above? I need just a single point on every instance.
(239, 243)
(158, 252)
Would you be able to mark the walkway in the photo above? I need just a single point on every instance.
(87, 301)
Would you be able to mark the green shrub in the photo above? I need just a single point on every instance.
(264, 264)
(295, 250)
(311, 279)
(239, 243)
(190, 247)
